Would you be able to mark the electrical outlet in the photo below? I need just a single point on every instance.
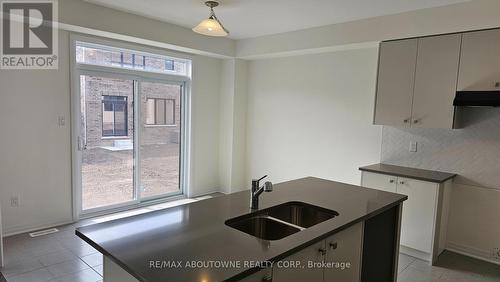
(496, 253)
(14, 201)
(413, 146)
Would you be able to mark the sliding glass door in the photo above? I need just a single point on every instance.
(130, 152)
(160, 139)
(106, 141)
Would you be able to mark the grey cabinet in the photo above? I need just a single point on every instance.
(436, 81)
(396, 79)
(417, 81)
(480, 61)
(344, 251)
(283, 271)
(338, 258)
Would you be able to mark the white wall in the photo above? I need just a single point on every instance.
(233, 125)
(36, 154)
(205, 126)
(312, 116)
(472, 15)
(125, 26)
(226, 124)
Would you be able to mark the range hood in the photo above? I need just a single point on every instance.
(477, 99)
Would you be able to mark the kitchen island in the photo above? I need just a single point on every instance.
(193, 242)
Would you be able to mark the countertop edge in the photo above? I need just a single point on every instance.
(452, 175)
(250, 271)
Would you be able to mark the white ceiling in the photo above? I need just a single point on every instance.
(252, 18)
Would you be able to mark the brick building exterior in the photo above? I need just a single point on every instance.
(96, 90)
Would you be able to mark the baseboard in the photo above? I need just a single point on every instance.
(415, 253)
(22, 230)
(35, 228)
(471, 252)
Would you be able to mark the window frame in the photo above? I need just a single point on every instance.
(125, 103)
(145, 52)
(165, 111)
(79, 69)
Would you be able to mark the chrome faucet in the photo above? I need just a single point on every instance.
(256, 191)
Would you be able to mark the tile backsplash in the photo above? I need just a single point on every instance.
(473, 152)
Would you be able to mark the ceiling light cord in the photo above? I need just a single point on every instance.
(214, 17)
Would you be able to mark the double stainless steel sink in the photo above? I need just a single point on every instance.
(282, 220)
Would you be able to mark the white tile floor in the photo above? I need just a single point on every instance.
(450, 267)
(64, 257)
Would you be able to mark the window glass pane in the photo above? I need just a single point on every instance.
(155, 64)
(88, 53)
(169, 65)
(116, 59)
(127, 60)
(139, 61)
(150, 111)
(160, 111)
(160, 146)
(107, 165)
(108, 119)
(114, 115)
(170, 111)
(120, 119)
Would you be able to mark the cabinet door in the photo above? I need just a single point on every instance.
(418, 220)
(287, 273)
(480, 61)
(379, 181)
(436, 81)
(344, 247)
(396, 77)
(264, 275)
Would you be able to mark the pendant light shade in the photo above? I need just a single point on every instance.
(211, 26)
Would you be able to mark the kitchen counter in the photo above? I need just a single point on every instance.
(415, 173)
(197, 231)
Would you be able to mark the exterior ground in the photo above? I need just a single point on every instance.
(107, 176)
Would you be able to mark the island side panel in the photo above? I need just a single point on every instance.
(114, 273)
(381, 246)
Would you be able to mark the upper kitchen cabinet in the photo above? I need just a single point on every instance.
(417, 81)
(436, 81)
(396, 74)
(480, 61)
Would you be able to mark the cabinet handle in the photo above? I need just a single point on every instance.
(402, 182)
(406, 120)
(322, 251)
(391, 181)
(416, 121)
(267, 278)
(333, 246)
(497, 84)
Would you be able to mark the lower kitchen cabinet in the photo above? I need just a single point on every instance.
(425, 213)
(295, 267)
(344, 248)
(338, 258)
(418, 213)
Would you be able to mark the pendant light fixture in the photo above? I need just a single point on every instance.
(211, 26)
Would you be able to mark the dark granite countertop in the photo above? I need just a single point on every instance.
(197, 231)
(415, 173)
